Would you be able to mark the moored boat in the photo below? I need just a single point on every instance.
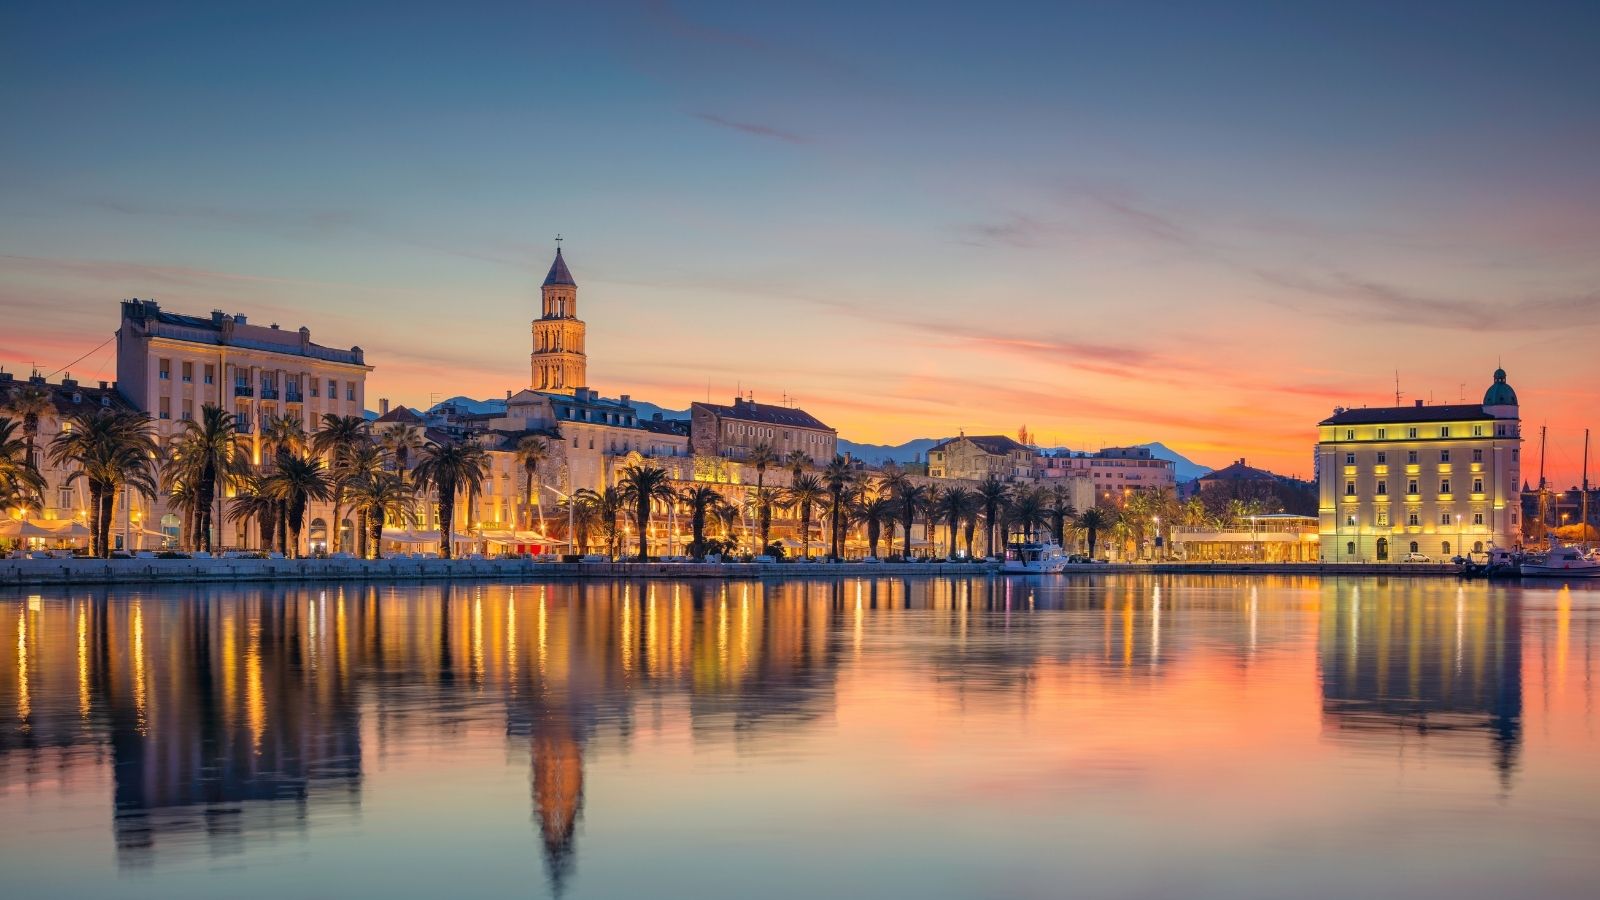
(1564, 562)
(1034, 558)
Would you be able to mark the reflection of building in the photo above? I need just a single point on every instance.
(557, 785)
(1434, 480)
(1409, 665)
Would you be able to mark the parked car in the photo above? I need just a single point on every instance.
(1417, 557)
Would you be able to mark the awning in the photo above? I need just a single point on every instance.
(412, 537)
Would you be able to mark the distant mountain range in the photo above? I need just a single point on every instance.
(914, 450)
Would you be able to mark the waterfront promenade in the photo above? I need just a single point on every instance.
(22, 572)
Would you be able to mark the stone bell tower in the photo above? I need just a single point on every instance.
(558, 360)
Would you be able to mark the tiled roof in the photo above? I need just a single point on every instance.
(1385, 414)
(62, 396)
(997, 444)
(765, 413)
(401, 414)
(559, 273)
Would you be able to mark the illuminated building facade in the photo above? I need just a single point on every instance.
(977, 457)
(1111, 470)
(559, 362)
(733, 431)
(1433, 480)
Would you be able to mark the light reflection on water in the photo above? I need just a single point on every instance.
(1116, 736)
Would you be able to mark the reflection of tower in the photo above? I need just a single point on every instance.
(557, 797)
(1419, 665)
(559, 362)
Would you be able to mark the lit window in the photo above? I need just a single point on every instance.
(1477, 431)
(1412, 519)
(1411, 432)
(1383, 433)
(1383, 518)
(1444, 431)
(1349, 434)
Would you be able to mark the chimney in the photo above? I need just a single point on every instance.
(239, 319)
(105, 385)
(626, 400)
(68, 381)
(216, 317)
(508, 393)
(383, 406)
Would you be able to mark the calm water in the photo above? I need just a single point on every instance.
(1117, 737)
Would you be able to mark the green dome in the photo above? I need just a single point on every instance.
(1499, 393)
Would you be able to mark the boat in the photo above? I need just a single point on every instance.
(1496, 563)
(1034, 558)
(1563, 562)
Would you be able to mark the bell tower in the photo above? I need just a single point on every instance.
(558, 361)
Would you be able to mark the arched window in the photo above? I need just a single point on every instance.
(318, 540)
(1350, 548)
(1416, 547)
(1383, 548)
(1477, 546)
(1445, 548)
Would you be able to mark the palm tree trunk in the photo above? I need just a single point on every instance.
(643, 523)
(375, 537)
(108, 506)
(447, 520)
(338, 518)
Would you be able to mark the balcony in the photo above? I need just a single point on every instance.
(269, 393)
(295, 397)
(243, 390)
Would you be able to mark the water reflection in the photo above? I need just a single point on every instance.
(227, 716)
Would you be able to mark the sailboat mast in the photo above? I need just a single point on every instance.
(1544, 497)
(1583, 515)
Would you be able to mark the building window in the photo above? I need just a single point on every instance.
(1445, 548)
(1444, 456)
(1411, 486)
(1412, 519)
(1383, 518)
(1383, 488)
(188, 373)
(1383, 548)
(1516, 453)
(166, 370)
(1499, 431)
(1477, 456)
(333, 389)
(1382, 458)
(1415, 547)
(1349, 459)
(1411, 433)
(1350, 548)
(1411, 457)
(315, 387)
(1444, 431)
(1444, 485)
(350, 390)
(211, 374)
(64, 498)
(1349, 434)
(1477, 518)
(166, 408)
(1383, 433)
(1477, 546)
(1477, 431)
(1477, 485)
(1444, 518)
(1349, 488)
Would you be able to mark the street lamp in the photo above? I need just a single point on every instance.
(1458, 535)
(571, 546)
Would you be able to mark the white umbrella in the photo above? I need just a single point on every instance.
(72, 530)
(16, 528)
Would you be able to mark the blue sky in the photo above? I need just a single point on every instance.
(911, 217)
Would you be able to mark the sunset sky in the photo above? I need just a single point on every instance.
(1202, 224)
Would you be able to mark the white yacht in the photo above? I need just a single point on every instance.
(1034, 558)
(1564, 562)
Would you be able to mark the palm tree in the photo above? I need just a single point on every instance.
(930, 506)
(955, 505)
(873, 510)
(447, 469)
(1059, 506)
(1027, 513)
(110, 449)
(20, 481)
(338, 440)
(399, 442)
(205, 455)
(702, 500)
(994, 494)
(910, 496)
(837, 478)
(254, 501)
(796, 462)
(1093, 521)
(642, 486)
(363, 461)
(531, 452)
(29, 403)
(381, 496)
(804, 494)
(607, 504)
(283, 436)
(296, 483)
(585, 515)
(762, 456)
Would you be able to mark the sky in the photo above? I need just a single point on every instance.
(1201, 224)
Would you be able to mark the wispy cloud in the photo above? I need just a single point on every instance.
(752, 128)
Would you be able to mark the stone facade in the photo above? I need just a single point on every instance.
(733, 431)
(559, 361)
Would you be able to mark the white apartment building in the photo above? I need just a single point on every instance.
(1432, 480)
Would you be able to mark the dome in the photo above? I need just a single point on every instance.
(1499, 393)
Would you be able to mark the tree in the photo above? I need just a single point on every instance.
(448, 469)
(642, 486)
(837, 477)
(204, 454)
(796, 462)
(20, 481)
(1027, 513)
(363, 461)
(873, 509)
(110, 449)
(702, 500)
(1093, 521)
(910, 496)
(381, 496)
(29, 403)
(296, 482)
(803, 495)
(955, 505)
(1059, 506)
(585, 515)
(253, 501)
(399, 443)
(531, 453)
(994, 495)
(762, 456)
(608, 504)
(338, 441)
